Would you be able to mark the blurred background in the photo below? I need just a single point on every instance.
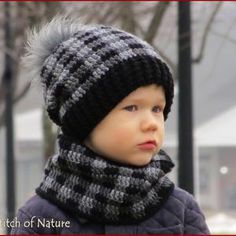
(32, 137)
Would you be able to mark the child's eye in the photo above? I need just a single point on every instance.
(131, 108)
(157, 109)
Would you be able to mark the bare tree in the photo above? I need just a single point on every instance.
(24, 15)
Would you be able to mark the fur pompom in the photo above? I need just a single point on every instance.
(43, 40)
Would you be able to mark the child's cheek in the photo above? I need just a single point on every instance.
(121, 135)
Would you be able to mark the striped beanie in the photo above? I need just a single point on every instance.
(87, 70)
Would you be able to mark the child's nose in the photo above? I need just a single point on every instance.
(149, 123)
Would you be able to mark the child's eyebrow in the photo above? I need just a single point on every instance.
(142, 100)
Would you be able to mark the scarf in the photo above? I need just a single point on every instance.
(91, 187)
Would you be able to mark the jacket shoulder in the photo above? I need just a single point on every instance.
(38, 206)
(193, 218)
(181, 197)
(180, 214)
(39, 212)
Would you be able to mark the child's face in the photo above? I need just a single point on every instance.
(124, 134)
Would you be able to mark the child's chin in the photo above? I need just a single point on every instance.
(142, 162)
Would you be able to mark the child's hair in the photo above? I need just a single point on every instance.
(87, 70)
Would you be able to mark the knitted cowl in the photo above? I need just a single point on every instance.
(91, 187)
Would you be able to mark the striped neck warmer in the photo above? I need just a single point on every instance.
(91, 187)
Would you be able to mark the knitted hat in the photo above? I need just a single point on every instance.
(86, 71)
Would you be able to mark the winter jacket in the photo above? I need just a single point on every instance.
(179, 215)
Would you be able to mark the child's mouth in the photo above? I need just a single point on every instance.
(148, 145)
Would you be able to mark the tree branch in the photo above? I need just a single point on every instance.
(2, 118)
(127, 17)
(168, 61)
(22, 93)
(2, 93)
(225, 36)
(206, 33)
(155, 23)
(16, 99)
(106, 14)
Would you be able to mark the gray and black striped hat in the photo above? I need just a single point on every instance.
(86, 71)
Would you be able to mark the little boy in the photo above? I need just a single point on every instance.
(110, 94)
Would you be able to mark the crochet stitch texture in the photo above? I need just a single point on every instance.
(92, 187)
